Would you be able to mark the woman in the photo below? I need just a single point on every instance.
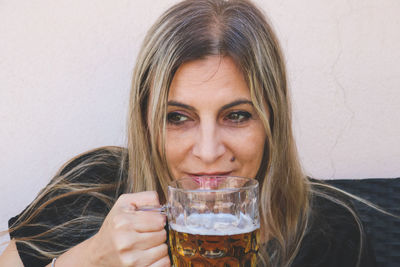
(209, 96)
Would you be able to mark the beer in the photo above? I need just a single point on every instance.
(213, 221)
(209, 240)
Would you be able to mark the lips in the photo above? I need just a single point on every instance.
(208, 180)
(209, 174)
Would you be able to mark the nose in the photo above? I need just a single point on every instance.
(208, 145)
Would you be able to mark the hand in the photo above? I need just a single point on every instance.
(129, 237)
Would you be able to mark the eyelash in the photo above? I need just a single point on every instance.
(242, 116)
(171, 115)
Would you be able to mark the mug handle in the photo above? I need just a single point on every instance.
(163, 209)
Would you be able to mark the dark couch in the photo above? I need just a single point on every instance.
(383, 231)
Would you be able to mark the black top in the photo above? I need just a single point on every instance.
(332, 238)
(383, 230)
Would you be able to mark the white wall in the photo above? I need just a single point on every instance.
(65, 70)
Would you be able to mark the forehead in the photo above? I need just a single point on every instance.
(213, 76)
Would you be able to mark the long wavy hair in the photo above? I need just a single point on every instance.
(191, 30)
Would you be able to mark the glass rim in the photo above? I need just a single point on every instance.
(253, 185)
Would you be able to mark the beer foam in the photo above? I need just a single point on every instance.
(214, 224)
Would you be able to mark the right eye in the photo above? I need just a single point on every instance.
(176, 118)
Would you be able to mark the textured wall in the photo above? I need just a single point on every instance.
(65, 69)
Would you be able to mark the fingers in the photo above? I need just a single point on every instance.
(156, 253)
(163, 262)
(141, 241)
(145, 257)
(137, 238)
(147, 198)
(126, 216)
(147, 221)
(149, 240)
(139, 221)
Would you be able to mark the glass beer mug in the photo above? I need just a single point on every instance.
(213, 221)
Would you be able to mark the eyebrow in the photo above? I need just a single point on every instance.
(178, 104)
(236, 103)
(229, 105)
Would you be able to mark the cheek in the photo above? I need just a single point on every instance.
(177, 145)
(252, 149)
(172, 148)
(249, 149)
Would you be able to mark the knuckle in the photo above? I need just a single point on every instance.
(119, 247)
(164, 235)
(130, 258)
(166, 262)
(122, 198)
(123, 202)
(118, 220)
(153, 196)
(127, 260)
(118, 244)
(164, 249)
(158, 218)
(163, 220)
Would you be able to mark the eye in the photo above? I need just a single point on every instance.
(176, 118)
(238, 116)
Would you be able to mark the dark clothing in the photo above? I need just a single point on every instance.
(332, 238)
(101, 168)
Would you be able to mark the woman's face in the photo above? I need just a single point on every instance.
(212, 126)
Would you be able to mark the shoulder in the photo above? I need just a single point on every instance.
(102, 170)
(72, 207)
(328, 203)
(334, 235)
(97, 164)
(94, 176)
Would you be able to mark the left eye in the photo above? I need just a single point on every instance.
(176, 118)
(238, 116)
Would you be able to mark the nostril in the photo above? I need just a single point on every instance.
(208, 146)
(209, 154)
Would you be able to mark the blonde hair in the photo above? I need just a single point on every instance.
(194, 30)
(96, 176)
(190, 30)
